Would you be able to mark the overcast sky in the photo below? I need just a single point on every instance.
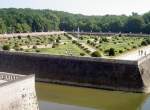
(87, 7)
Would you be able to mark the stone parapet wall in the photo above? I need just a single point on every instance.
(96, 72)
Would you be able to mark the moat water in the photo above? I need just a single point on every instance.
(59, 97)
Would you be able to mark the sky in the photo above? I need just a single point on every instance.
(86, 7)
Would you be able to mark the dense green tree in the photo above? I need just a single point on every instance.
(26, 27)
(26, 20)
(146, 28)
(134, 24)
(2, 26)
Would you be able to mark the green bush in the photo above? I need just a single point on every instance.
(34, 47)
(88, 42)
(74, 41)
(37, 50)
(59, 38)
(111, 52)
(55, 45)
(104, 39)
(120, 51)
(81, 38)
(19, 37)
(38, 43)
(134, 47)
(120, 35)
(82, 54)
(88, 51)
(6, 47)
(144, 43)
(96, 54)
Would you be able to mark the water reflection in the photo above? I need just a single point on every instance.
(91, 98)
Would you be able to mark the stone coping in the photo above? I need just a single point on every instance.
(17, 80)
(104, 60)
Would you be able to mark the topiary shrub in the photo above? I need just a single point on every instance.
(96, 54)
(6, 47)
(37, 50)
(144, 43)
(55, 45)
(57, 41)
(111, 52)
(74, 41)
(134, 47)
(19, 37)
(34, 47)
(82, 54)
(88, 42)
(120, 51)
(120, 35)
(88, 51)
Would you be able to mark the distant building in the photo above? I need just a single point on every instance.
(17, 92)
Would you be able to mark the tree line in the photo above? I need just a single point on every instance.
(14, 20)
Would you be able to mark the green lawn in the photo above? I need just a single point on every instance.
(67, 49)
(120, 44)
(100, 43)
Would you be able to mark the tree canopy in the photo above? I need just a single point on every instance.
(14, 20)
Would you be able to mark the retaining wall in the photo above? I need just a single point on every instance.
(89, 72)
(19, 94)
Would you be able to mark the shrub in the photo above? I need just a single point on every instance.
(28, 36)
(134, 46)
(37, 50)
(120, 35)
(120, 51)
(21, 49)
(57, 41)
(95, 38)
(26, 50)
(144, 43)
(19, 37)
(148, 41)
(81, 38)
(38, 43)
(96, 54)
(82, 54)
(6, 47)
(34, 47)
(59, 38)
(17, 47)
(74, 42)
(55, 45)
(88, 51)
(104, 39)
(100, 41)
(111, 52)
(88, 42)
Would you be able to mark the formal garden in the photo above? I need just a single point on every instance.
(71, 45)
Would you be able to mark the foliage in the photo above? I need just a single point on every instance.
(6, 47)
(96, 54)
(111, 52)
(82, 54)
(27, 20)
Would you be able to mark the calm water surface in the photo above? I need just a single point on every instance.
(58, 97)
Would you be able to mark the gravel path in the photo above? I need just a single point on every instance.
(38, 46)
(136, 54)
